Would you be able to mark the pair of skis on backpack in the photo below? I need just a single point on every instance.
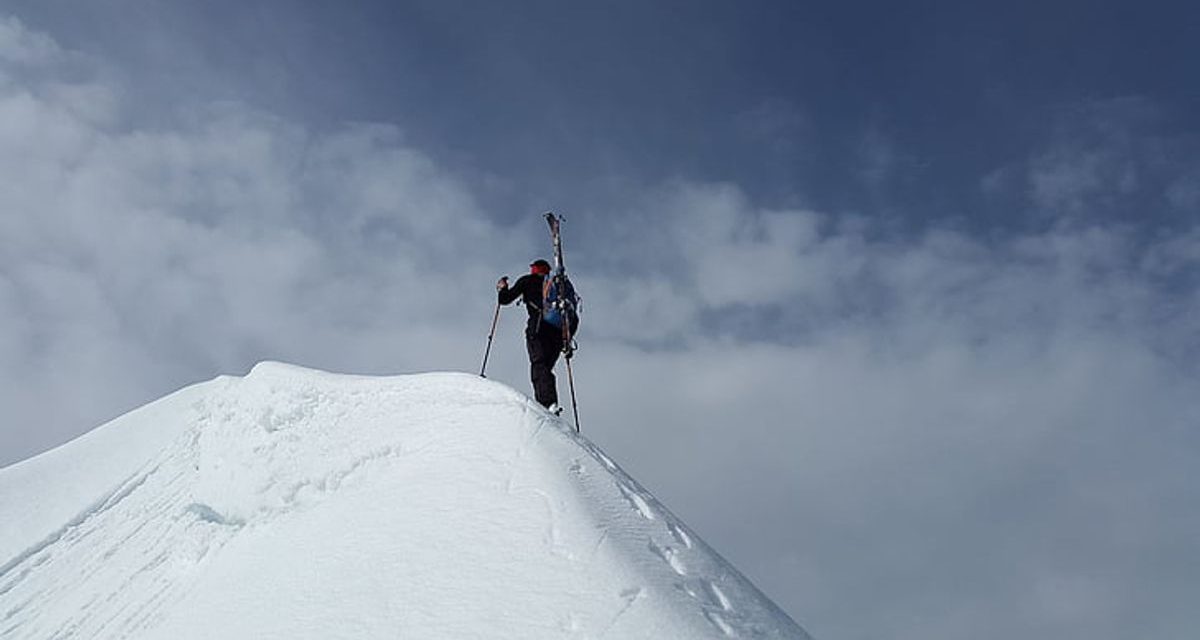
(560, 303)
(567, 304)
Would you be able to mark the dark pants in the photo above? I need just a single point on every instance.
(544, 344)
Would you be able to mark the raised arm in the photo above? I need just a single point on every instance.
(506, 295)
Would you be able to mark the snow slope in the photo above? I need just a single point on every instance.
(298, 504)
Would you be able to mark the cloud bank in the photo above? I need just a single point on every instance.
(142, 256)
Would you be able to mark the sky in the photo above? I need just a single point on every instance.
(909, 293)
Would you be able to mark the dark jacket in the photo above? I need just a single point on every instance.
(529, 288)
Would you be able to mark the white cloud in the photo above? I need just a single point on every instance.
(149, 258)
(941, 411)
(20, 45)
(1116, 158)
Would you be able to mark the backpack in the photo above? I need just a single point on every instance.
(560, 303)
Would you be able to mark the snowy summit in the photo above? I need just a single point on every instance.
(293, 503)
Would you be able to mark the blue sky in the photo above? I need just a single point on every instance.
(841, 106)
(896, 305)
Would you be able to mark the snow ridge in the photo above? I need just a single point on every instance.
(301, 504)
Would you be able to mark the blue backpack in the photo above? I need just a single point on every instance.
(560, 303)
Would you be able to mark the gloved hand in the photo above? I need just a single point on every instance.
(502, 284)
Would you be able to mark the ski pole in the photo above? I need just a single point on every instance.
(491, 334)
(568, 350)
(575, 405)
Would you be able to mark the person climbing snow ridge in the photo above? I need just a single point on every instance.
(545, 336)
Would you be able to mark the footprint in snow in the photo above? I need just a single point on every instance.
(707, 593)
(679, 534)
(670, 555)
(637, 500)
(720, 623)
(717, 596)
(207, 514)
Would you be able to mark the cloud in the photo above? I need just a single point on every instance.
(982, 417)
(1119, 158)
(937, 434)
(149, 258)
(22, 46)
